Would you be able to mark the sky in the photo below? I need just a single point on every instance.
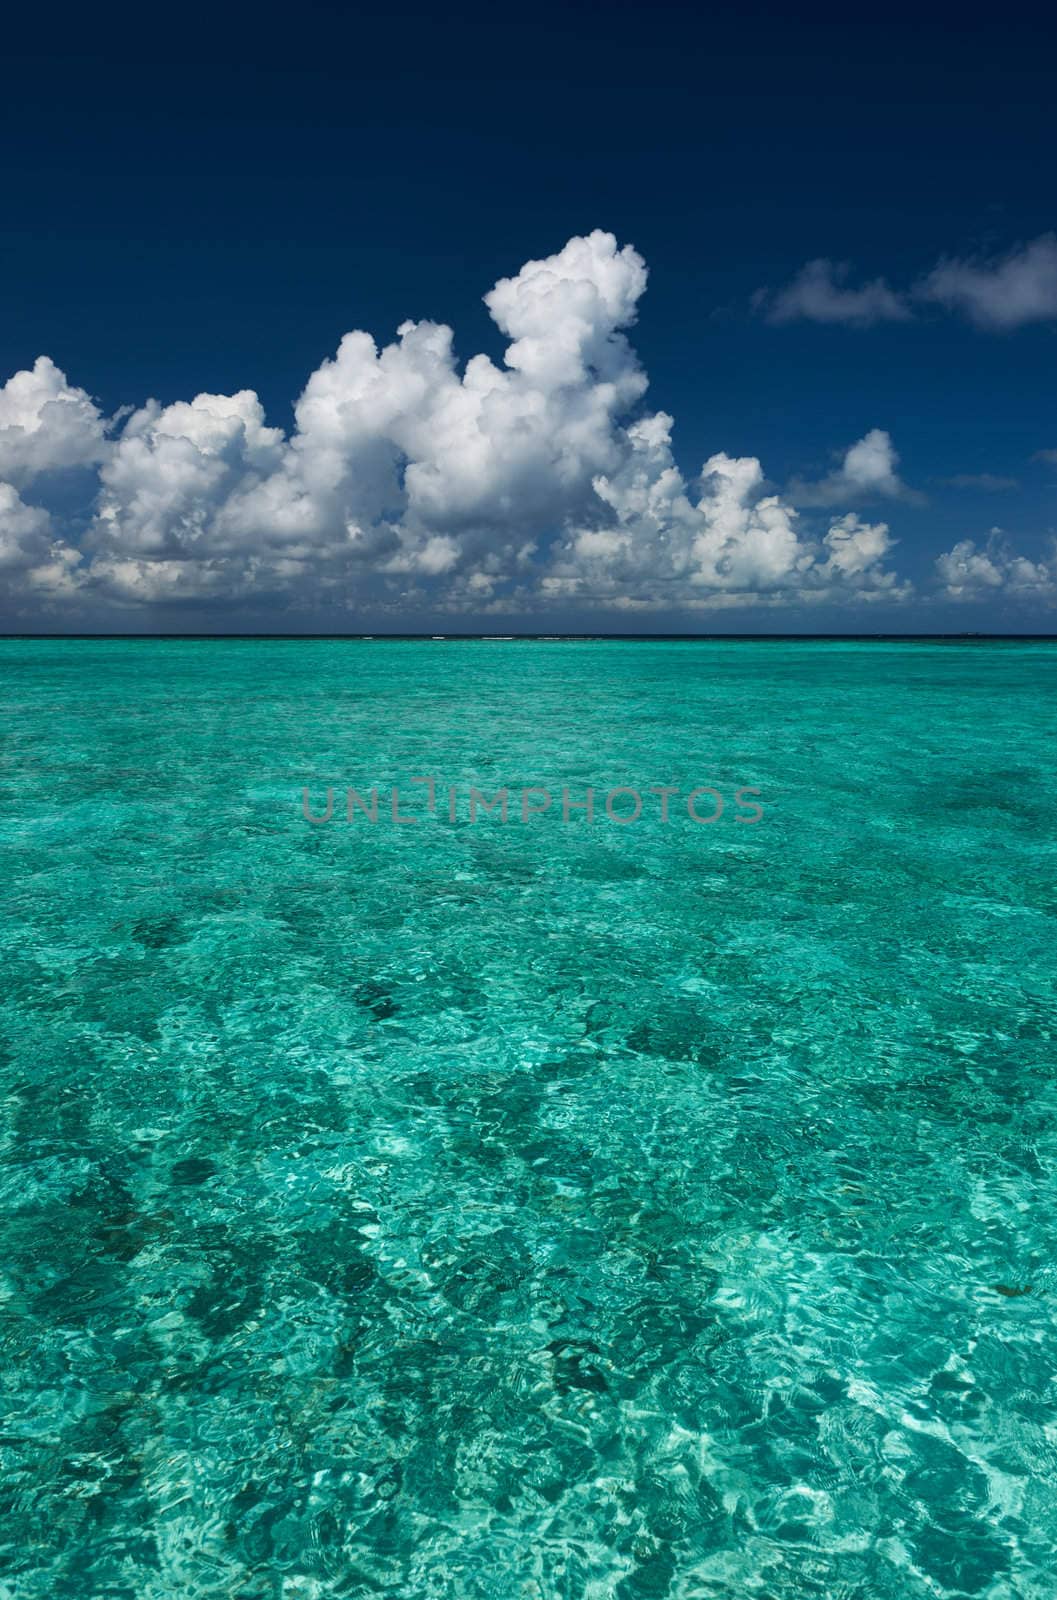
(624, 318)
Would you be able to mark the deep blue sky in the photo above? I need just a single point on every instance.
(207, 199)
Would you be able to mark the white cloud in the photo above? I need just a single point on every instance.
(32, 558)
(855, 546)
(167, 492)
(46, 425)
(25, 531)
(1002, 292)
(968, 573)
(401, 468)
(869, 471)
(870, 465)
(996, 293)
(819, 293)
(734, 544)
(414, 481)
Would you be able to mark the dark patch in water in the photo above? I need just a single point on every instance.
(193, 1170)
(376, 999)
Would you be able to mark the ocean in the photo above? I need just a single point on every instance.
(488, 1199)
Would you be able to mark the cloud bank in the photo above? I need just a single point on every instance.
(411, 482)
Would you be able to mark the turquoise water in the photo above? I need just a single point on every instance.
(539, 1211)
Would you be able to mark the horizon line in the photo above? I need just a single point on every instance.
(540, 638)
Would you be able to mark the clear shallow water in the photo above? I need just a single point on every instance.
(558, 1211)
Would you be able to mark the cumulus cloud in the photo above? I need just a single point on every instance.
(167, 490)
(46, 425)
(727, 543)
(32, 558)
(25, 531)
(969, 573)
(401, 469)
(856, 547)
(1002, 292)
(412, 480)
(820, 293)
(868, 471)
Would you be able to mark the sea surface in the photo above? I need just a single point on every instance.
(528, 1210)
